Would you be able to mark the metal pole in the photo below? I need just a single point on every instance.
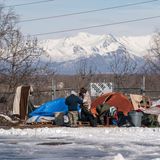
(53, 90)
(143, 85)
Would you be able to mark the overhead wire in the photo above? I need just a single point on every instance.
(30, 3)
(85, 12)
(97, 26)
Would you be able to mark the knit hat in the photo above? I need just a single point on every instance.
(112, 110)
(74, 93)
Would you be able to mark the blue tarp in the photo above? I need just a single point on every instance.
(49, 108)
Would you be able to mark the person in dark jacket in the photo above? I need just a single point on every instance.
(72, 102)
(86, 114)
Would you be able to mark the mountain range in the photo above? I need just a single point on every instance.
(99, 53)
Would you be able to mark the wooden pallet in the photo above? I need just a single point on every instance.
(83, 123)
(50, 125)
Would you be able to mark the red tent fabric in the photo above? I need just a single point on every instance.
(120, 101)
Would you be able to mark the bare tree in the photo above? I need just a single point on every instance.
(153, 58)
(85, 73)
(122, 65)
(20, 56)
(7, 27)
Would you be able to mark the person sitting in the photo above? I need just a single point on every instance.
(107, 114)
(72, 101)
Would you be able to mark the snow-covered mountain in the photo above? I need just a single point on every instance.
(96, 50)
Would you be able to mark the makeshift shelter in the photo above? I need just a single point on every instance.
(21, 102)
(50, 108)
(120, 101)
(51, 111)
(140, 102)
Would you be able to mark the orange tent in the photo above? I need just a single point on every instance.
(120, 101)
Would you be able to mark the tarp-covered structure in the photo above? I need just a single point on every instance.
(118, 100)
(49, 111)
(140, 102)
(50, 108)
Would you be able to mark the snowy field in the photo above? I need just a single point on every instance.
(63, 143)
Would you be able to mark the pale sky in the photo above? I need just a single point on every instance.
(60, 7)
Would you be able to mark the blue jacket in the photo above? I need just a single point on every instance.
(72, 102)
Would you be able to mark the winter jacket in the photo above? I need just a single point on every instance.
(87, 101)
(72, 102)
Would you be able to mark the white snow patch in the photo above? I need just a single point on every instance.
(118, 157)
(83, 143)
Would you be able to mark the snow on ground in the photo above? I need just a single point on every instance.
(64, 143)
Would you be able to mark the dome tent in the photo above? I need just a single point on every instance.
(119, 100)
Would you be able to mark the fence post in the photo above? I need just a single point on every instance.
(53, 89)
(143, 85)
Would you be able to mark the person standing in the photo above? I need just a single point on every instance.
(72, 101)
(86, 114)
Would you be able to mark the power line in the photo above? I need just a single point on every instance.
(97, 26)
(30, 3)
(85, 12)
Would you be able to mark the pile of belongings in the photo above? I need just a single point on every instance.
(152, 114)
(129, 110)
(110, 108)
(114, 105)
(6, 120)
(28, 113)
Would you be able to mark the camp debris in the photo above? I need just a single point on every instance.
(51, 112)
(112, 108)
(22, 104)
(120, 101)
(131, 109)
(7, 120)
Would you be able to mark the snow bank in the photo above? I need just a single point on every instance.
(87, 132)
(84, 143)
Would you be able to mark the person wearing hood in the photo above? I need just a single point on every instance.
(86, 114)
(72, 101)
